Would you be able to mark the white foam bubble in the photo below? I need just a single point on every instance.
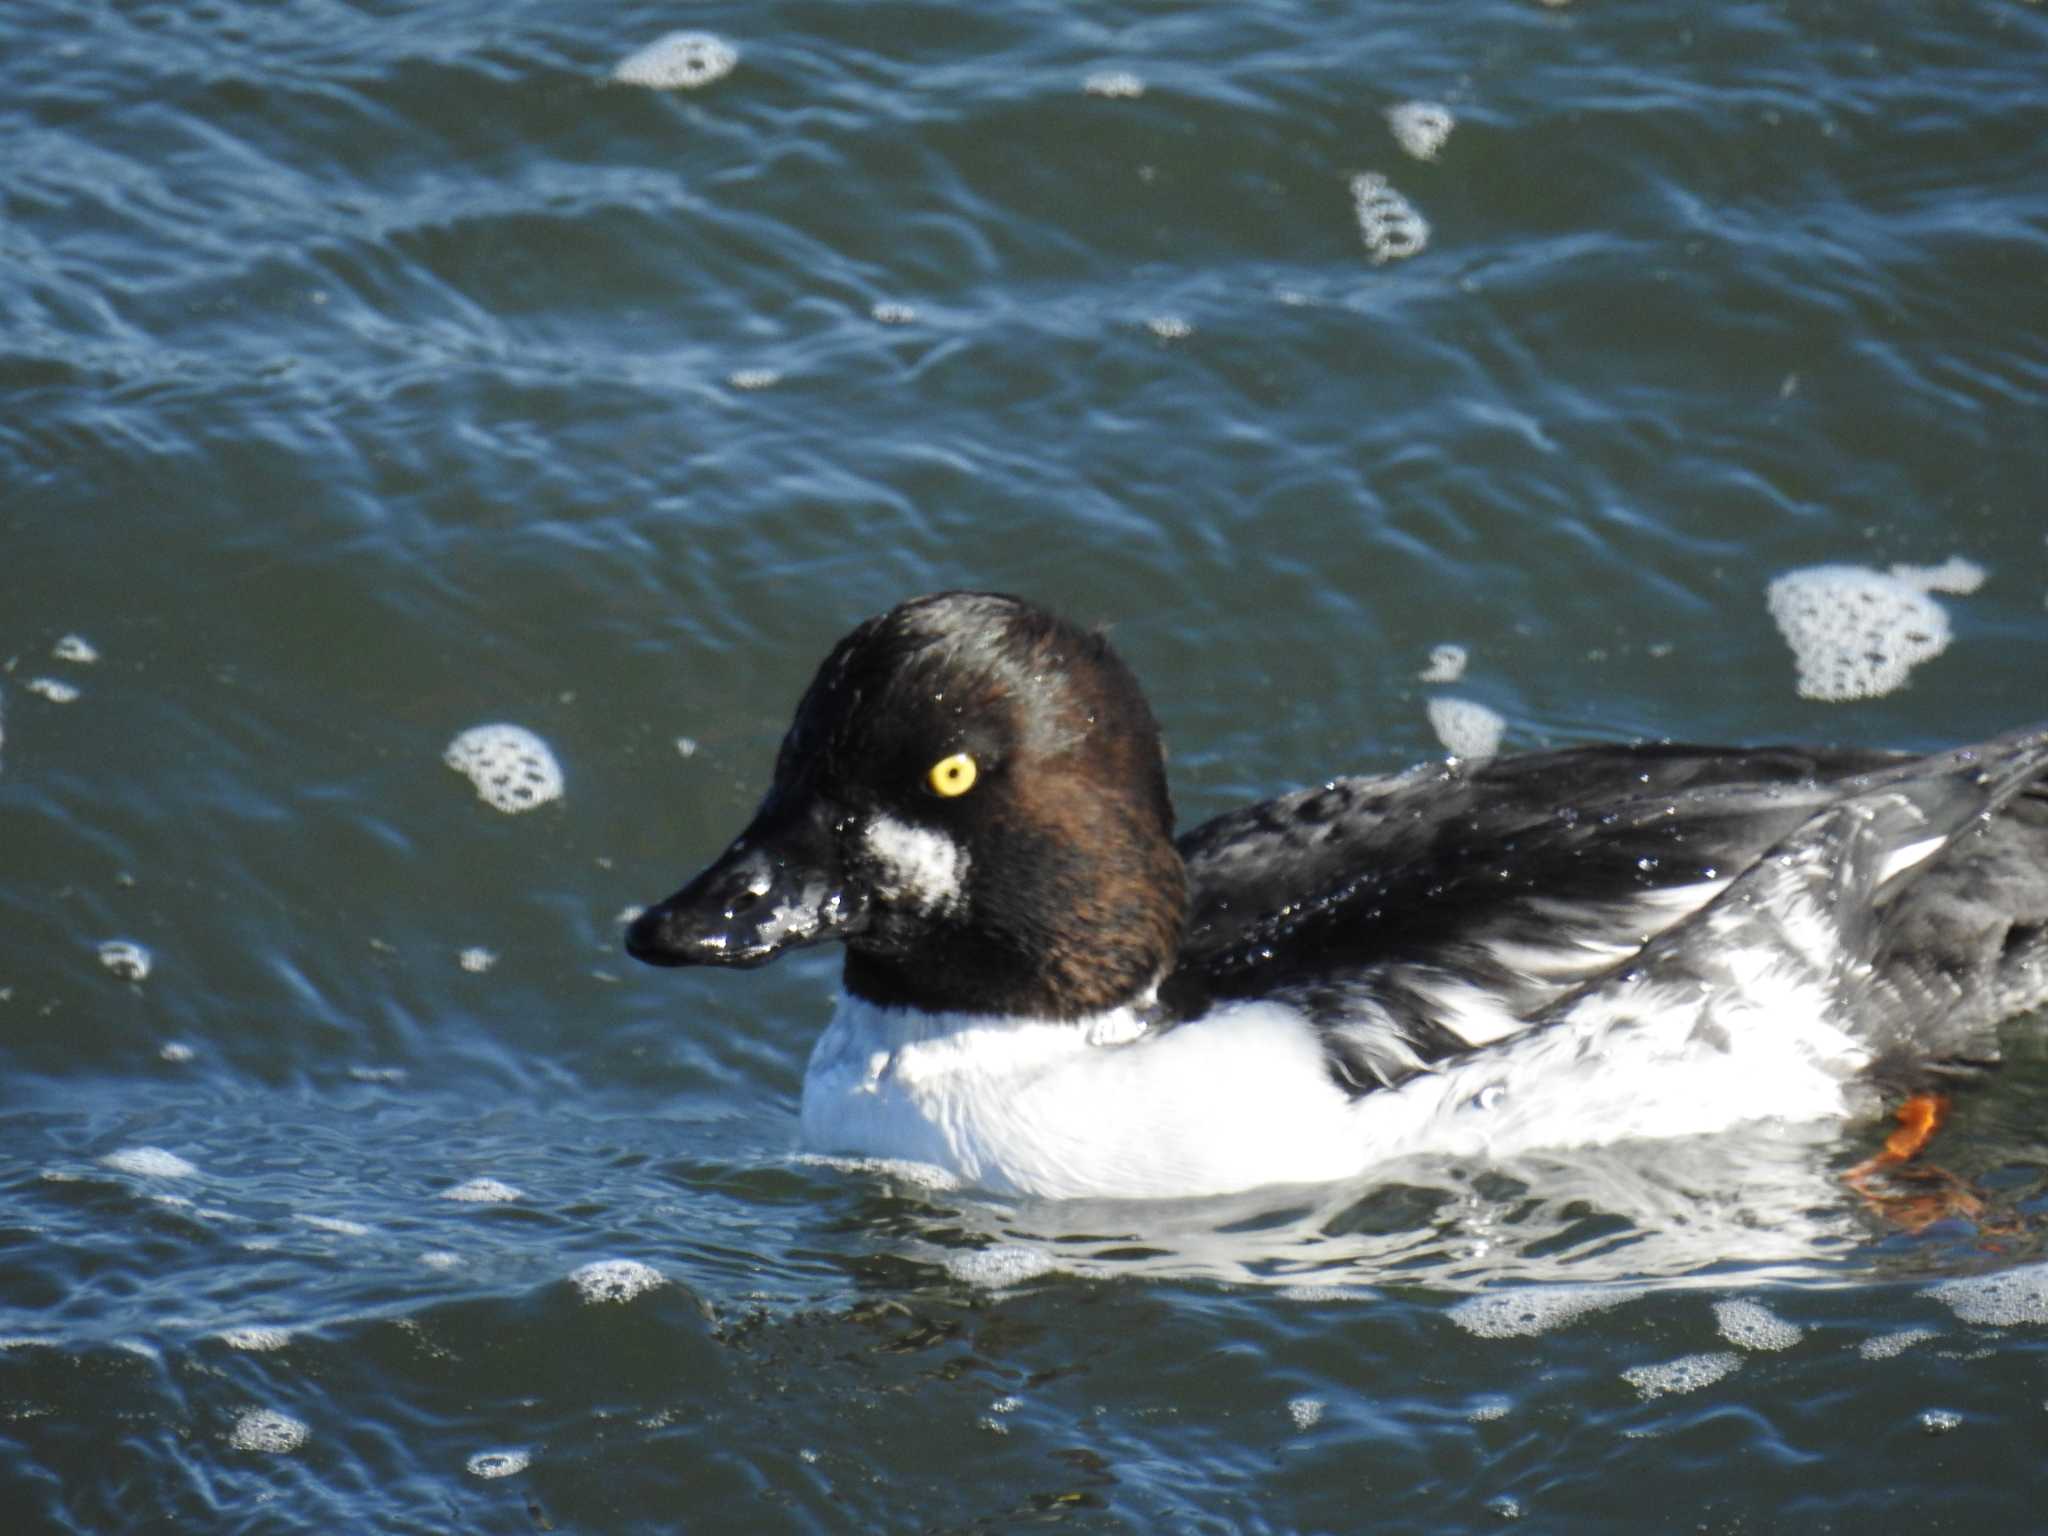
(1886, 1346)
(1446, 664)
(1003, 1265)
(265, 1429)
(1855, 633)
(1388, 223)
(1120, 83)
(75, 648)
(1954, 575)
(1170, 327)
(1326, 1293)
(126, 959)
(54, 689)
(1466, 729)
(615, 1279)
(1305, 1411)
(885, 313)
(498, 1463)
(149, 1162)
(257, 1339)
(2004, 1300)
(476, 958)
(1421, 127)
(483, 1192)
(441, 1258)
(176, 1050)
(1527, 1312)
(1939, 1421)
(924, 1175)
(1688, 1373)
(1487, 1411)
(754, 378)
(513, 769)
(340, 1226)
(685, 61)
(1752, 1325)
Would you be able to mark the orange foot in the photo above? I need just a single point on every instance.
(1919, 1118)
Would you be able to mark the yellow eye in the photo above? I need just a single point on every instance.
(952, 776)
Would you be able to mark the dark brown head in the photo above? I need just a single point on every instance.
(973, 797)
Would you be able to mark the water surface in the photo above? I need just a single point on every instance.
(369, 372)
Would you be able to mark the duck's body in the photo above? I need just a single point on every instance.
(1046, 995)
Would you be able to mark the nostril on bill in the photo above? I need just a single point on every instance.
(748, 896)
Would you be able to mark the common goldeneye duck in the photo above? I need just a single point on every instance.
(1045, 994)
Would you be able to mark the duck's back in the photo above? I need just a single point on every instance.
(1464, 899)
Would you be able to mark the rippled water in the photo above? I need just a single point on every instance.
(371, 372)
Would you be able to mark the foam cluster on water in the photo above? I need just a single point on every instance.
(340, 1226)
(498, 1463)
(1005, 1264)
(1421, 127)
(257, 1339)
(1856, 633)
(482, 1192)
(126, 959)
(615, 1279)
(1388, 223)
(1955, 575)
(1465, 728)
(1527, 1312)
(1305, 1411)
(679, 61)
(1120, 83)
(2004, 1300)
(1886, 1346)
(513, 769)
(753, 378)
(54, 689)
(907, 1170)
(1446, 664)
(265, 1429)
(477, 959)
(1752, 1325)
(1688, 1373)
(149, 1163)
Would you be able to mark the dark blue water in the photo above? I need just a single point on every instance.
(372, 371)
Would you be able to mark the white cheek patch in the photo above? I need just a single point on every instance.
(926, 869)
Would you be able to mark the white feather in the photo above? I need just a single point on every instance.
(917, 865)
(1243, 1097)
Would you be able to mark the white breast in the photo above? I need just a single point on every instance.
(1242, 1098)
(1093, 1108)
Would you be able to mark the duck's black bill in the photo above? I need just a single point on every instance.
(779, 886)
